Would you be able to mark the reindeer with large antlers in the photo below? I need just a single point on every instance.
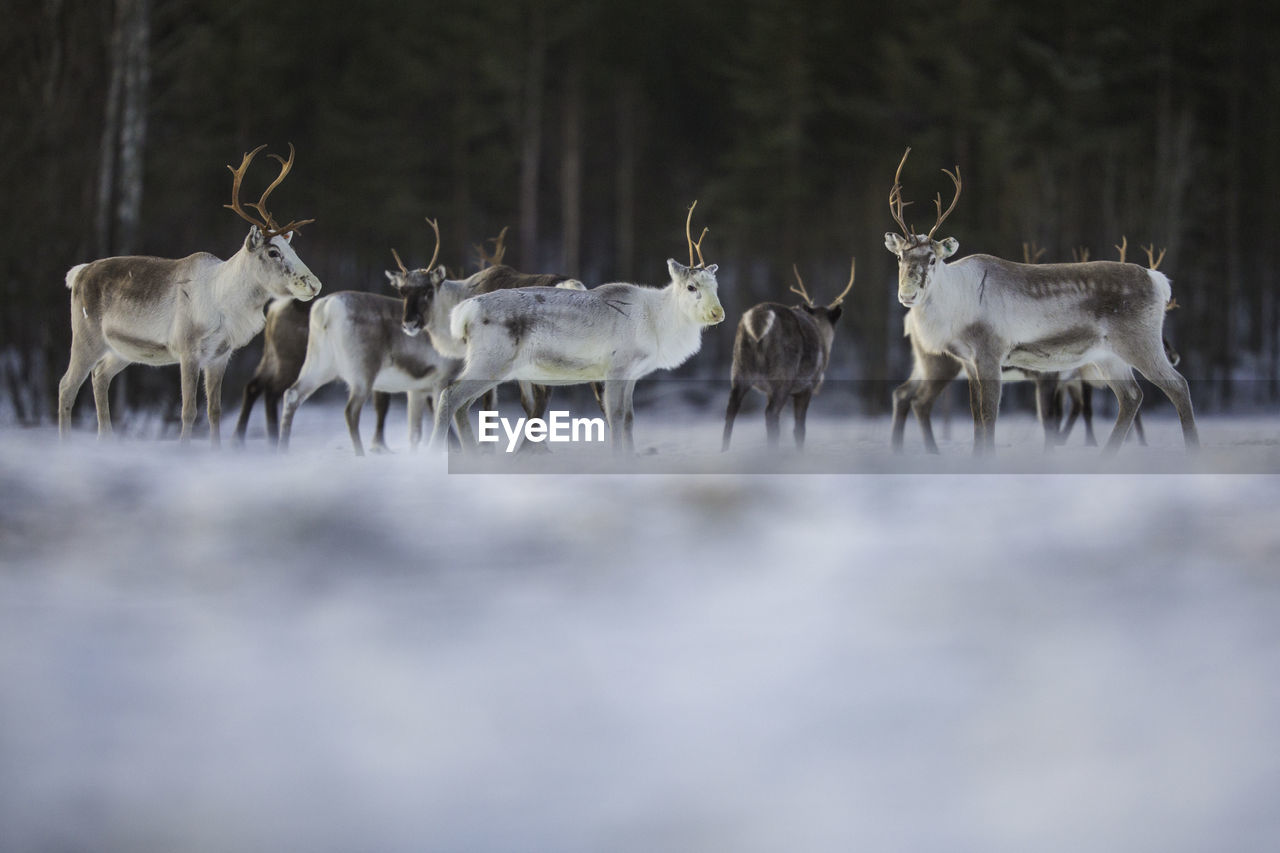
(1103, 317)
(783, 351)
(614, 333)
(194, 311)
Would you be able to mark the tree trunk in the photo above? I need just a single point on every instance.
(133, 127)
(571, 170)
(625, 178)
(531, 137)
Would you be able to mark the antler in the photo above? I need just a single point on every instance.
(1031, 253)
(804, 294)
(1080, 255)
(1152, 260)
(896, 204)
(265, 221)
(1123, 246)
(942, 217)
(499, 249)
(434, 255)
(853, 271)
(399, 262)
(689, 236)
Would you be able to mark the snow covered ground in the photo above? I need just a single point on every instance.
(230, 651)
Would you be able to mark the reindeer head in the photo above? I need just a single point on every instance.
(695, 285)
(826, 315)
(267, 246)
(417, 287)
(918, 254)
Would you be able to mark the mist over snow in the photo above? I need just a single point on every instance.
(230, 651)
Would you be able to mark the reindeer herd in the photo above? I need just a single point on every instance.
(1067, 327)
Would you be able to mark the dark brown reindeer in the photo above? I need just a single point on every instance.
(284, 348)
(783, 351)
(195, 311)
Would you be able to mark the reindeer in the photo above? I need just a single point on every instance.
(1080, 392)
(1101, 316)
(429, 297)
(932, 373)
(284, 348)
(194, 311)
(783, 351)
(356, 337)
(615, 333)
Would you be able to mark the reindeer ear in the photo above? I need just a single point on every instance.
(712, 269)
(394, 278)
(437, 275)
(676, 268)
(254, 241)
(948, 247)
(894, 242)
(288, 236)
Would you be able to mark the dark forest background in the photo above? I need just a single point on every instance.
(588, 128)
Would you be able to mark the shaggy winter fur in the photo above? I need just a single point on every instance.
(1103, 317)
(194, 311)
(357, 337)
(614, 333)
(781, 351)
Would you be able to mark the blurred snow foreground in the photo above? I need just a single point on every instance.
(238, 651)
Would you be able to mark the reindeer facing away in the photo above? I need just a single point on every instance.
(194, 311)
(1101, 316)
(783, 351)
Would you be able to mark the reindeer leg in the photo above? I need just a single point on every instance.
(252, 390)
(69, 386)
(800, 405)
(1086, 408)
(922, 407)
(295, 396)
(271, 404)
(990, 387)
(736, 394)
(418, 400)
(381, 402)
(1046, 385)
(1138, 430)
(773, 413)
(103, 372)
(355, 402)
(213, 374)
(903, 397)
(190, 372)
(1118, 376)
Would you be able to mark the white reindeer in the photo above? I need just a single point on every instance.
(615, 333)
(1103, 317)
(356, 337)
(194, 311)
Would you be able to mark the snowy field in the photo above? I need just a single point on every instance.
(240, 651)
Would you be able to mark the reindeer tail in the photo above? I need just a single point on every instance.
(72, 273)
(757, 327)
